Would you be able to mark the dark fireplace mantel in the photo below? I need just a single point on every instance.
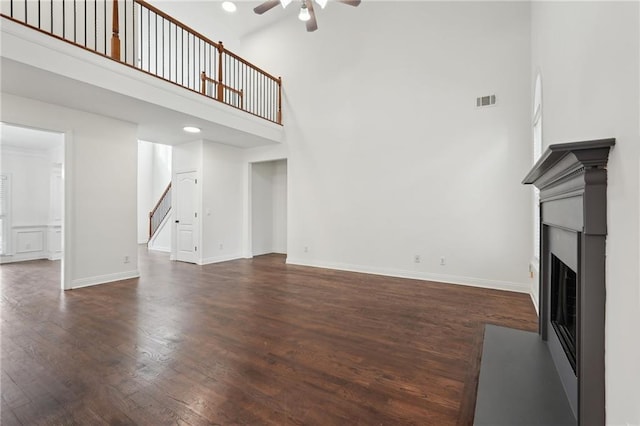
(572, 179)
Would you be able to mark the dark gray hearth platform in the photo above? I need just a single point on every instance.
(518, 382)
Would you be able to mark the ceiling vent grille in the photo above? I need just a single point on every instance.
(485, 101)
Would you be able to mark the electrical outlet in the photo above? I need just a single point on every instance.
(530, 270)
(221, 246)
(126, 259)
(443, 261)
(416, 258)
(306, 249)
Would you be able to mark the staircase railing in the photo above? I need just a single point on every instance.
(141, 36)
(160, 211)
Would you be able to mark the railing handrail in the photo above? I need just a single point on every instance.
(214, 81)
(230, 73)
(175, 21)
(154, 224)
(164, 194)
(204, 38)
(249, 64)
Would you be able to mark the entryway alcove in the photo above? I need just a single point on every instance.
(268, 207)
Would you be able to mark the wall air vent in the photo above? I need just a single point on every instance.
(485, 101)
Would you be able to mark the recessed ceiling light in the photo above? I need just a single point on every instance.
(229, 6)
(191, 129)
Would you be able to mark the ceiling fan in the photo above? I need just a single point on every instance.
(307, 13)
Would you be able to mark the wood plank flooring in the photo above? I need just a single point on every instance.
(247, 342)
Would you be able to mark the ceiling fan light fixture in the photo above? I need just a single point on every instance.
(229, 6)
(307, 10)
(304, 13)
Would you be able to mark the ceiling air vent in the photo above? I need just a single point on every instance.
(485, 101)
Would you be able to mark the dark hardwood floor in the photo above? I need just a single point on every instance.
(247, 342)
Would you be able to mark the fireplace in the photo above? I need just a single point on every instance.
(572, 179)
(564, 308)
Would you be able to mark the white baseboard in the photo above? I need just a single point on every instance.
(23, 257)
(161, 249)
(535, 302)
(416, 275)
(534, 269)
(103, 279)
(251, 256)
(218, 259)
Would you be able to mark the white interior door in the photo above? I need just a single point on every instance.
(186, 217)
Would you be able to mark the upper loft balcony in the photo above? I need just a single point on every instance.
(128, 60)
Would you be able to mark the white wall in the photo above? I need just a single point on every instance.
(261, 208)
(588, 56)
(388, 156)
(199, 15)
(30, 174)
(161, 170)
(222, 187)
(56, 206)
(100, 176)
(145, 182)
(279, 194)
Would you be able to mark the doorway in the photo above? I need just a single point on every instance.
(31, 195)
(269, 207)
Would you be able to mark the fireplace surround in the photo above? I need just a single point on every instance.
(572, 179)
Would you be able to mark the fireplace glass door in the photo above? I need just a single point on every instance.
(564, 307)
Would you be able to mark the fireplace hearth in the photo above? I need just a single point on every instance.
(572, 179)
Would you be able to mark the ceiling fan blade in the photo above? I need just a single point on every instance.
(354, 3)
(267, 5)
(312, 24)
